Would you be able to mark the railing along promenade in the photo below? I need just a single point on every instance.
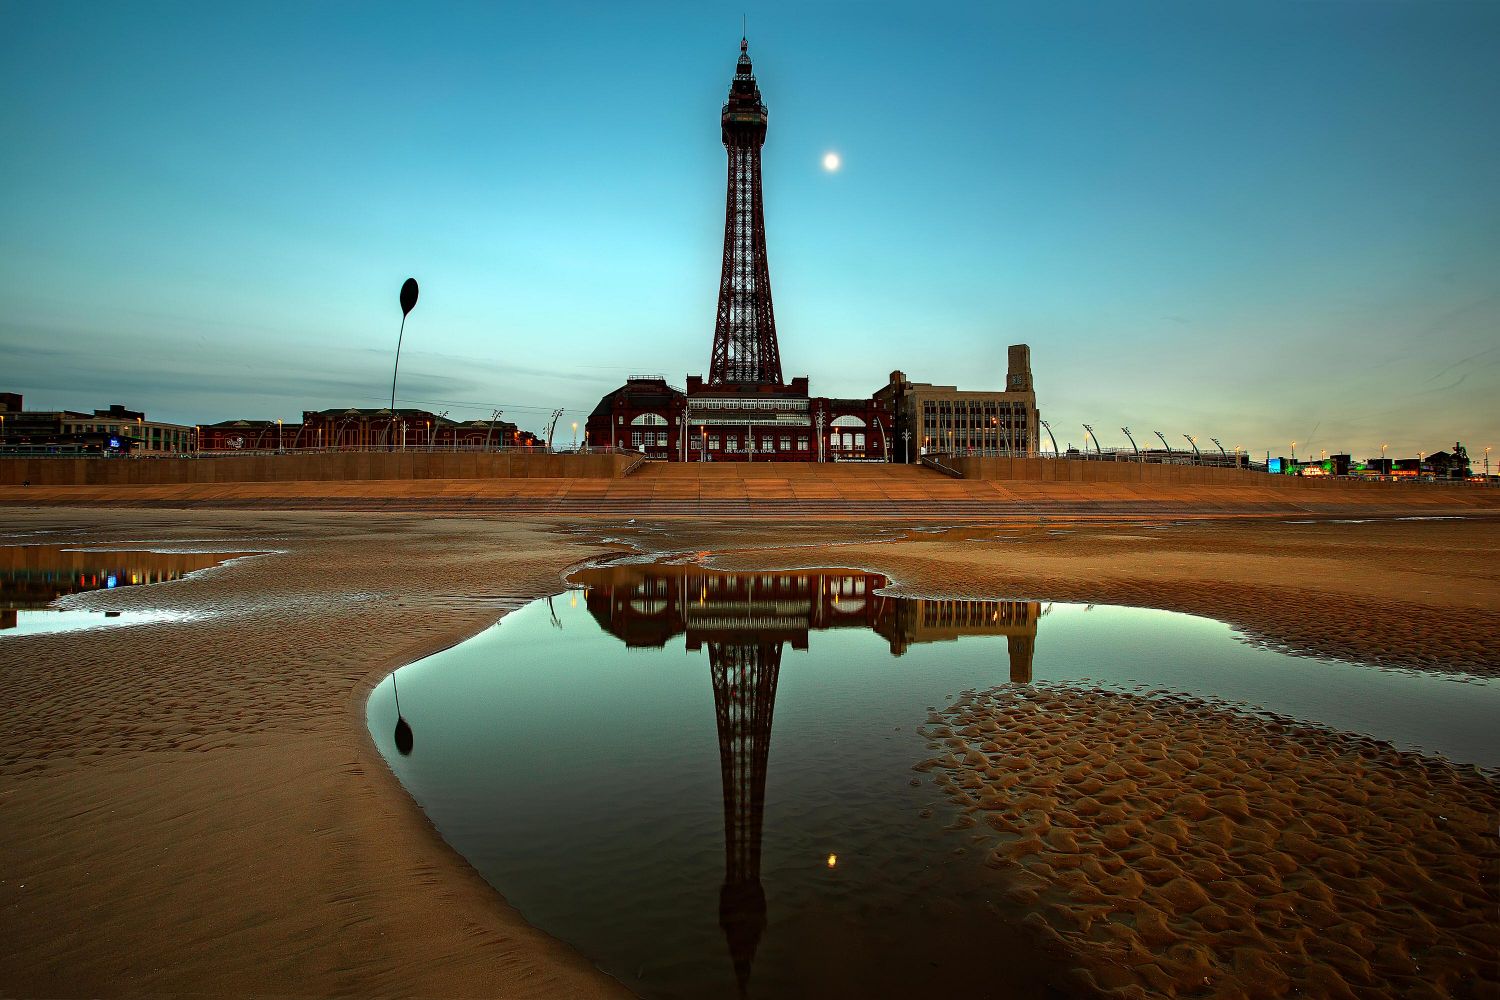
(214, 453)
(941, 461)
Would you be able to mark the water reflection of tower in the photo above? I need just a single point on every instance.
(744, 679)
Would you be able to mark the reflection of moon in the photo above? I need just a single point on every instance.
(830, 162)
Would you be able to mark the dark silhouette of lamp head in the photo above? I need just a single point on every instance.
(408, 296)
(403, 730)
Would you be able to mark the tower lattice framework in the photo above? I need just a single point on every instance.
(744, 681)
(745, 348)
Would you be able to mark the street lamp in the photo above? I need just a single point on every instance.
(1132, 441)
(1486, 461)
(408, 300)
(1088, 434)
(575, 435)
(906, 436)
(1051, 436)
(278, 435)
(1197, 455)
(1294, 451)
(1164, 442)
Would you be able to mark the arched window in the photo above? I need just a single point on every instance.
(649, 420)
(847, 421)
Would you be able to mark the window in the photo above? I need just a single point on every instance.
(635, 439)
(859, 440)
(713, 443)
(649, 420)
(802, 444)
(661, 440)
(768, 444)
(847, 421)
(786, 442)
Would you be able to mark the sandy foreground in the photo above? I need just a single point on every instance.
(195, 807)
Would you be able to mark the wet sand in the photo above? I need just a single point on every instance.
(1177, 848)
(196, 807)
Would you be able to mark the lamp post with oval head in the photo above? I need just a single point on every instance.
(408, 300)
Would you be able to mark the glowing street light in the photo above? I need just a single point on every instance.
(575, 435)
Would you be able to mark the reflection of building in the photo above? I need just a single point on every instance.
(649, 605)
(32, 577)
(948, 419)
(744, 411)
(746, 620)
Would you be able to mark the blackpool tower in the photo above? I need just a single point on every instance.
(745, 350)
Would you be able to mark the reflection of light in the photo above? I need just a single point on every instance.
(134, 578)
(110, 582)
(573, 601)
(833, 860)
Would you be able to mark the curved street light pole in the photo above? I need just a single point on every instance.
(1164, 441)
(1088, 432)
(1132, 441)
(1048, 428)
(1221, 447)
(1197, 455)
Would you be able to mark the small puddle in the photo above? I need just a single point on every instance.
(33, 577)
(709, 782)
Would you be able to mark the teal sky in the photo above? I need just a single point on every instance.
(1262, 221)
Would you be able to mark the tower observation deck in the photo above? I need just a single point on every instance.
(745, 349)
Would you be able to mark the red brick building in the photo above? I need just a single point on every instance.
(356, 429)
(739, 423)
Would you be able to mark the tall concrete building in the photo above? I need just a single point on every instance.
(944, 418)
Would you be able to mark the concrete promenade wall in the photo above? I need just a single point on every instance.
(1066, 470)
(322, 467)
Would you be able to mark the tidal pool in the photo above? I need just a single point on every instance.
(705, 781)
(33, 577)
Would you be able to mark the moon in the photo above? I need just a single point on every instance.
(831, 162)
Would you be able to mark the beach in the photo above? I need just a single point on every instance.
(195, 806)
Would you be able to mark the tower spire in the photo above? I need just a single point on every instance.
(745, 348)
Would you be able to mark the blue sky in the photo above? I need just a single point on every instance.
(1263, 221)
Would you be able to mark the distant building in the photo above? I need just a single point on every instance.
(248, 435)
(116, 430)
(945, 418)
(404, 429)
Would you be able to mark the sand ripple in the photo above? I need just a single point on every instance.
(1178, 848)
